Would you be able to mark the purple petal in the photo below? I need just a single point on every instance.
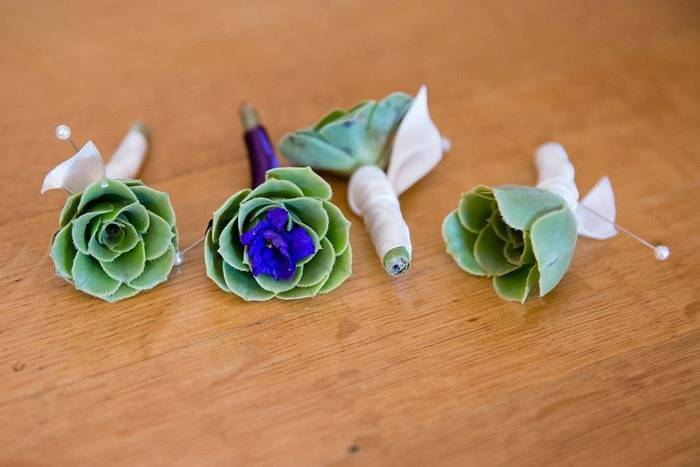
(248, 237)
(278, 217)
(300, 243)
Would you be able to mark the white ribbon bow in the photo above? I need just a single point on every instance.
(86, 166)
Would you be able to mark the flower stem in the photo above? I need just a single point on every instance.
(261, 153)
(397, 261)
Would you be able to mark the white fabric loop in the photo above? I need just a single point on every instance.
(555, 173)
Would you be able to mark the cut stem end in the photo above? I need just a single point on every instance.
(397, 261)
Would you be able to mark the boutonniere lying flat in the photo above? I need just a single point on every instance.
(282, 238)
(116, 236)
(524, 237)
(384, 148)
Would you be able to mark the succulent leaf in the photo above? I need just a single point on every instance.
(342, 141)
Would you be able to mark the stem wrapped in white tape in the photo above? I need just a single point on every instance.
(372, 197)
(87, 166)
(417, 148)
(555, 173)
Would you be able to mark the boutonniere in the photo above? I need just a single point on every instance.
(282, 238)
(116, 236)
(384, 148)
(524, 237)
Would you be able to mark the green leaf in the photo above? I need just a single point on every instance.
(328, 118)
(488, 252)
(81, 223)
(158, 237)
(135, 214)
(214, 263)
(311, 213)
(305, 178)
(275, 189)
(513, 254)
(349, 134)
(227, 211)
(89, 277)
(244, 285)
(248, 207)
(124, 291)
(320, 265)
(99, 251)
(106, 190)
(516, 285)
(338, 228)
(474, 211)
(301, 292)
(521, 205)
(130, 239)
(388, 114)
(155, 271)
(126, 266)
(63, 252)
(155, 201)
(553, 241)
(230, 247)
(341, 271)
(270, 284)
(460, 244)
(69, 209)
(305, 148)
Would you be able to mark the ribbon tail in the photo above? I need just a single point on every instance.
(597, 215)
(127, 160)
(417, 147)
(76, 173)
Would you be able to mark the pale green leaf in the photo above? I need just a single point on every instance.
(488, 252)
(155, 271)
(63, 252)
(126, 266)
(157, 202)
(89, 277)
(520, 206)
(341, 271)
(553, 242)
(244, 285)
(338, 228)
(227, 211)
(158, 237)
(460, 244)
(320, 265)
(305, 178)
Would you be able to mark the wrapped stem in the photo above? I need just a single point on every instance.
(261, 153)
(555, 173)
(372, 197)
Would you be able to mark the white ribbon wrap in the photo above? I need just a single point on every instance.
(86, 166)
(555, 173)
(373, 195)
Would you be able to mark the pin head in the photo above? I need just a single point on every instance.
(63, 132)
(662, 252)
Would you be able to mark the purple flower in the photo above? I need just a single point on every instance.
(275, 250)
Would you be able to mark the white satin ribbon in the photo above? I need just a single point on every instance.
(87, 166)
(555, 173)
(373, 195)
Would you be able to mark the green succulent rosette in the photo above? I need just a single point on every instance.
(236, 261)
(345, 140)
(115, 239)
(522, 237)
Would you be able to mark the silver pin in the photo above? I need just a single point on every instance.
(180, 255)
(661, 252)
(63, 132)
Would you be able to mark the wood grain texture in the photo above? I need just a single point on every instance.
(428, 369)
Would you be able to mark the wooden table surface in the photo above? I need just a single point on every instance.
(431, 368)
